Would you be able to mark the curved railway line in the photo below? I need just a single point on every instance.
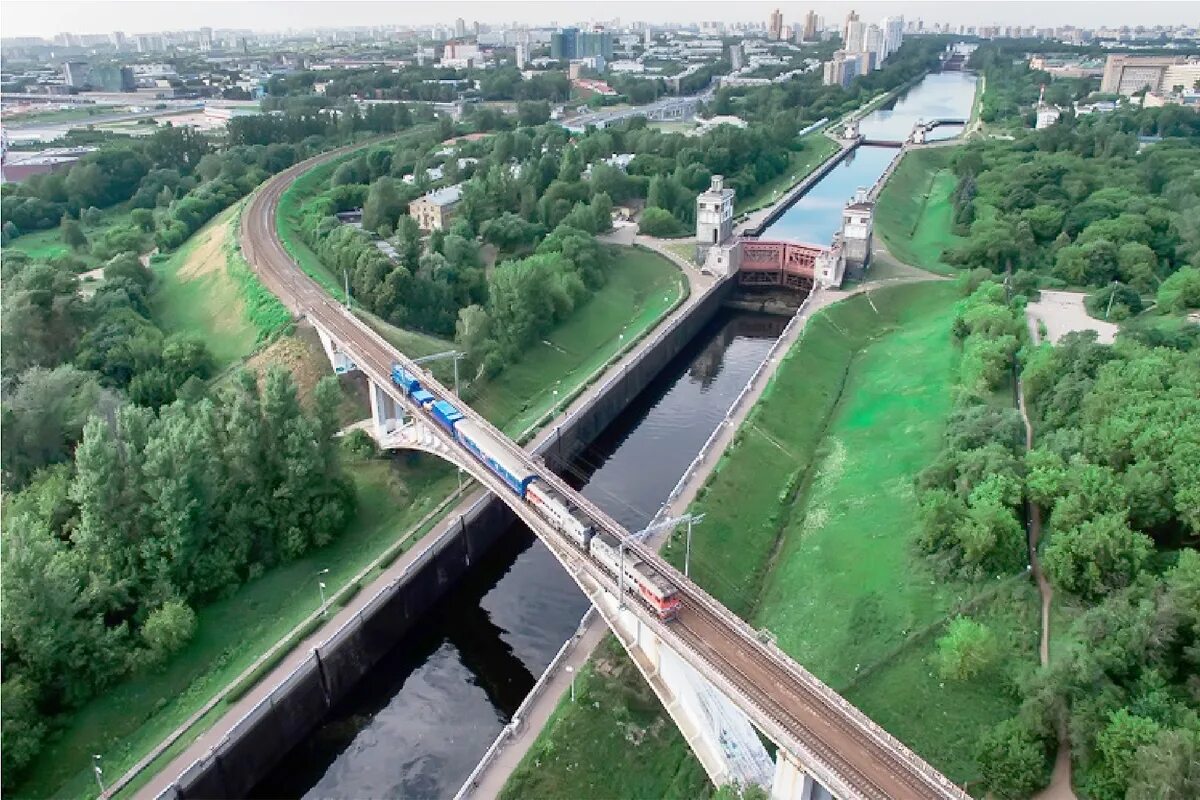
(838, 744)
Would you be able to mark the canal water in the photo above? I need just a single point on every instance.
(417, 725)
(419, 722)
(817, 215)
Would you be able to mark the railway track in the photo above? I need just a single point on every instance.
(788, 701)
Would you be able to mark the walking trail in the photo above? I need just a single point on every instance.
(1060, 779)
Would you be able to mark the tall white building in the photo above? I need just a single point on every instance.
(893, 34)
(873, 44)
(522, 54)
(856, 34)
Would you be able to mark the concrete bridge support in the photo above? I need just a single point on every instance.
(717, 731)
(386, 414)
(341, 361)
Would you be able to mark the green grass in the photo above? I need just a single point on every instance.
(198, 294)
(48, 244)
(817, 148)
(808, 528)
(578, 750)
(914, 215)
(642, 287)
(60, 115)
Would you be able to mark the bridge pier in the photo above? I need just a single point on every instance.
(386, 413)
(341, 361)
(717, 731)
(793, 783)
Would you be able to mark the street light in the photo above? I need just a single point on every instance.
(571, 672)
(321, 589)
(99, 772)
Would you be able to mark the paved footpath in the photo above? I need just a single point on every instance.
(699, 285)
(490, 781)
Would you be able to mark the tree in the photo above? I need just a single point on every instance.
(72, 234)
(383, 206)
(967, 648)
(1096, 557)
(1180, 291)
(1166, 769)
(167, 629)
(1013, 760)
(660, 222)
(1118, 744)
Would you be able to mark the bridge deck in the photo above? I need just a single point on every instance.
(844, 750)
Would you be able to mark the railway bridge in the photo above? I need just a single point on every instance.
(722, 682)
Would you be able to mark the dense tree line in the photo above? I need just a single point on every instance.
(106, 557)
(1082, 204)
(1116, 472)
(1013, 88)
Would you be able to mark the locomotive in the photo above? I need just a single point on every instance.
(640, 576)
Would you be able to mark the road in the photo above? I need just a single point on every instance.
(844, 749)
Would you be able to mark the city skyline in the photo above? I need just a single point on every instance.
(45, 19)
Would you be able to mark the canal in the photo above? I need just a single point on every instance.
(419, 722)
(817, 215)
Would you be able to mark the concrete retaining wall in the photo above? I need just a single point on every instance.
(298, 705)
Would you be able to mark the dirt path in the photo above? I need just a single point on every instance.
(1060, 779)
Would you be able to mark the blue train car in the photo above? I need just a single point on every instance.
(423, 398)
(445, 414)
(484, 446)
(405, 379)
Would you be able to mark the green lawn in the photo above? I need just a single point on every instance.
(914, 215)
(809, 521)
(197, 294)
(817, 148)
(49, 244)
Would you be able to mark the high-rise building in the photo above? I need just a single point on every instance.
(594, 43)
(118, 39)
(206, 39)
(460, 28)
(75, 74)
(564, 44)
(856, 36)
(522, 54)
(775, 28)
(736, 58)
(873, 44)
(893, 34)
(810, 27)
(841, 69)
(850, 18)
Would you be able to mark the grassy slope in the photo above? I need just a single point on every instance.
(196, 293)
(862, 398)
(817, 148)
(130, 719)
(914, 215)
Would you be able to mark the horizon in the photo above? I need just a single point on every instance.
(23, 18)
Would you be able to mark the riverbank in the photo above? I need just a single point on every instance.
(914, 216)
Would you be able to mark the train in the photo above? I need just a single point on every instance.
(641, 577)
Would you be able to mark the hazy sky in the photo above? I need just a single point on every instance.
(47, 17)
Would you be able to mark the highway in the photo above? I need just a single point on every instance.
(835, 742)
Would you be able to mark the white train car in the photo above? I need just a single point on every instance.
(554, 509)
